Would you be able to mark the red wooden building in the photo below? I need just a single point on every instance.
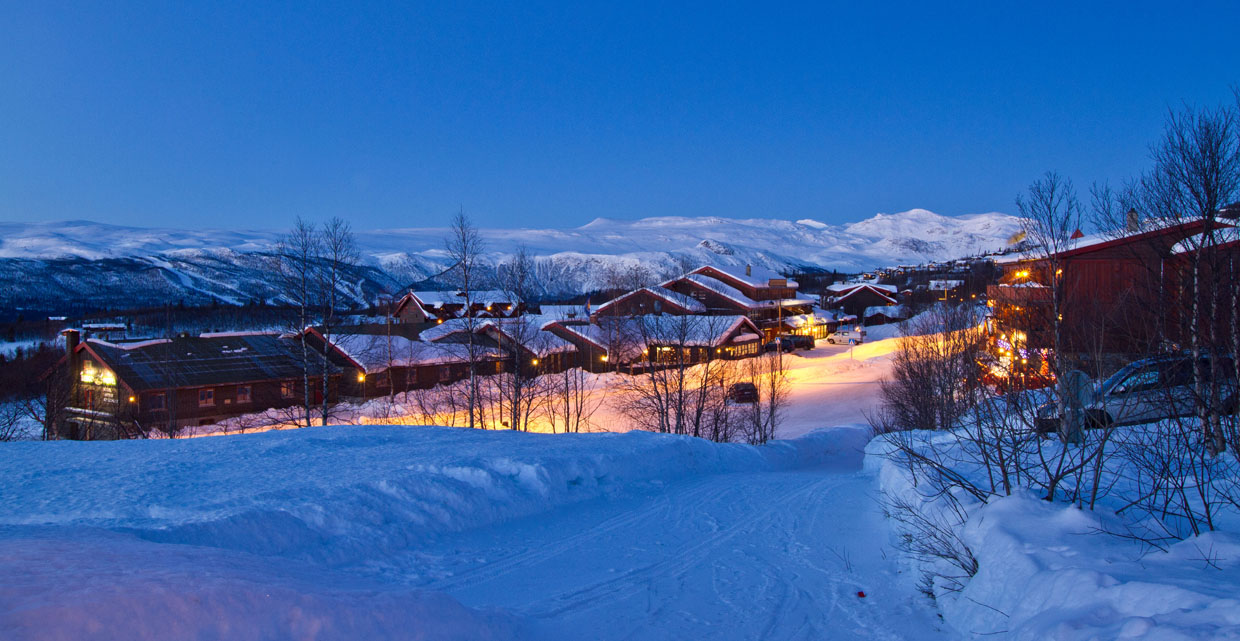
(130, 389)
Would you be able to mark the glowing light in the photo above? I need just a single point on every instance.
(1024, 273)
(534, 361)
(133, 399)
(603, 358)
(440, 321)
(361, 377)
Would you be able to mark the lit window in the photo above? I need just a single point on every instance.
(206, 397)
(243, 394)
(287, 389)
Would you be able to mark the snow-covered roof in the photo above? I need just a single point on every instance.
(1222, 236)
(450, 326)
(376, 353)
(806, 320)
(880, 290)
(676, 298)
(758, 276)
(786, 302)
(625, 337)
(564, 312)
(844, 287)
(483, 297)
(530, 329)
(890, 311)
(721, 288)
(945, 284)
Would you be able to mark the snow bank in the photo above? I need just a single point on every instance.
(1046, 571)
(268, 535)
(336, 493)
(101, 586)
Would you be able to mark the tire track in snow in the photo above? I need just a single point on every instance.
(635, 581)
(702, 489)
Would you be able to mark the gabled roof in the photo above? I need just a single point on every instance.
(843, 287)
(890, 311)
(1169, 233)
(757, 277)
(719, 287)
(202, 361)
(865, 287)
(624, 337)
(376, 353)
(686, 303)
(483, 297)
(530, 329)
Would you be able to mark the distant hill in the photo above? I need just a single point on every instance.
(49, 266)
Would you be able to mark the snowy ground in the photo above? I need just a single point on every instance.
(391, 532)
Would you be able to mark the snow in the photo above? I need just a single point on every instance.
(676, 298)
(1051, 571)
(400, 532)
(752, 275)
(723, 289)
(909, 237)
(376, 353)
(485, 297)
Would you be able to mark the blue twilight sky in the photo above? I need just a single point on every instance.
(246, 114)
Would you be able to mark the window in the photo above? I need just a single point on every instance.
(445, 373)
(88, 398)
(1139, 381)
(206, 397)
(411, 376)
(243, 394)
(157, 402)
(287, 389)
(499, 367)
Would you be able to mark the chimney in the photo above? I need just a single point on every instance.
(72, 338)
(1132, 223)
(748, 270)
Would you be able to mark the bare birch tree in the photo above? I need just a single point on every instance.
(465, 247)
(295, 265)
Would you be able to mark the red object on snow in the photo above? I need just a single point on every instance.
(861, 594)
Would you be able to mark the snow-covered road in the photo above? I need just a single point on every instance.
(748, 556)
(767, 555)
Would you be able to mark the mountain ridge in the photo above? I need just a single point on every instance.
(78, 260)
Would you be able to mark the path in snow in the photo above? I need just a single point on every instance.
(767, 555)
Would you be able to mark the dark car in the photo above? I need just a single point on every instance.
(783, 344)
(802, 342)
(743, 393)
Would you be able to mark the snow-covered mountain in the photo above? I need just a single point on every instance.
(81, 260)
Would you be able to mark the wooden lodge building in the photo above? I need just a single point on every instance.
(767, 298)
(1118, 297)
(856, 299)
(375, 365)
(107, 390)
(133, 388)
(423, 307)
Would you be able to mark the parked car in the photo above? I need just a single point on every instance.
(782, 343)
(847, 336)
(743, 393)
(801, 342)
(1147, 390)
